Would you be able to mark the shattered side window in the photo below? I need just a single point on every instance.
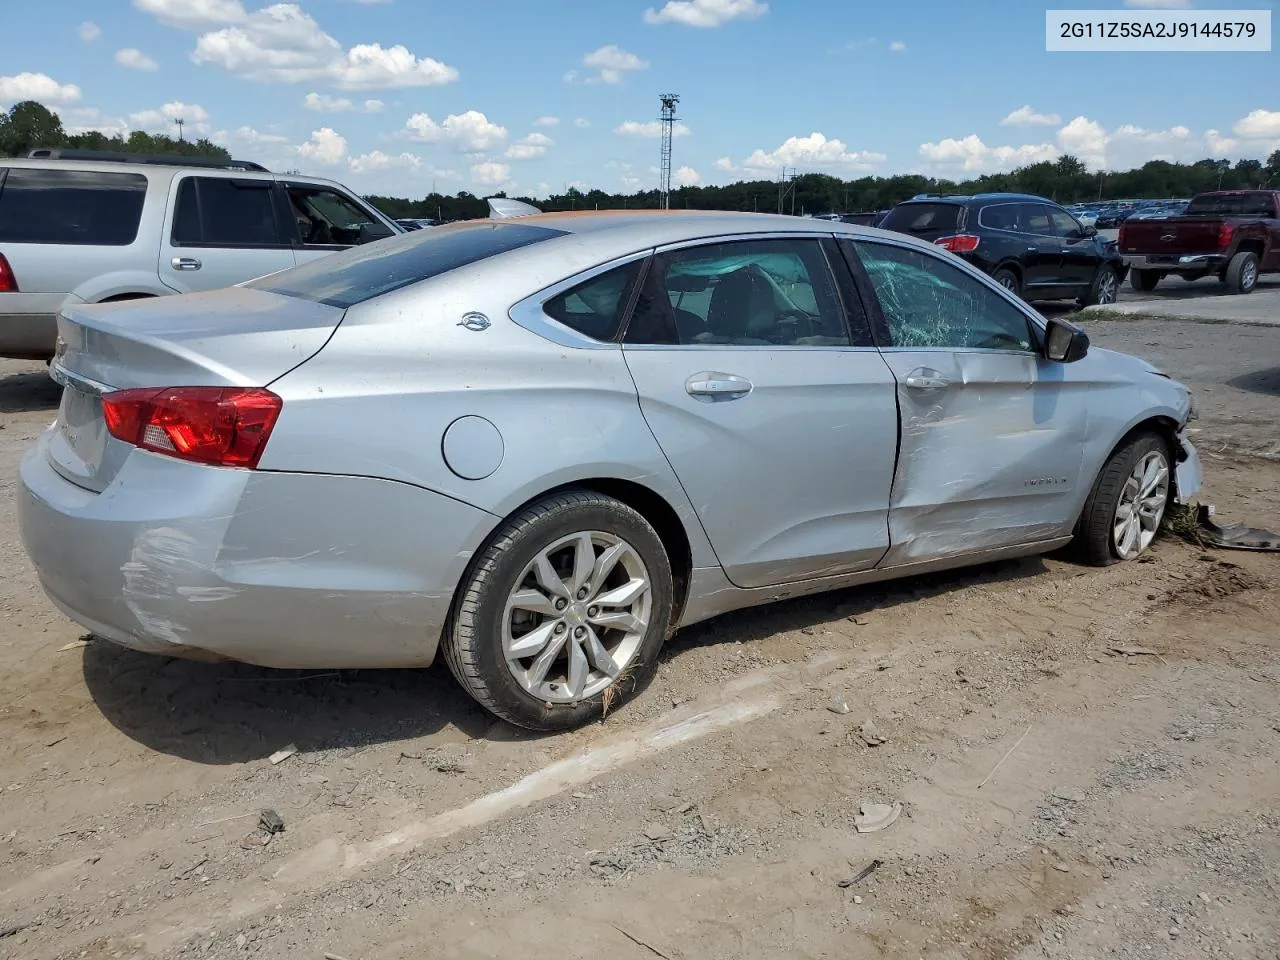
(929, 303)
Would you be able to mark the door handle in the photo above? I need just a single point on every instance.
(185, 263)
(923, 378)
(709, 385)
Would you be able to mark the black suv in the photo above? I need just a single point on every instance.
(1027, 244)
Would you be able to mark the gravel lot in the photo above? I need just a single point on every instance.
(1059, 799)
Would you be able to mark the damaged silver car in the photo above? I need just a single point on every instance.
(542, 444)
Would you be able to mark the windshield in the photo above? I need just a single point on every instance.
(362, 273)
(1232, 205)
(927, 220)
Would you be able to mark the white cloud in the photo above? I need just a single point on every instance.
(612, 64)
(897, 46)
(490, 172)
(687, 177)
(526, 148)
(377, 160)
(815, 151)
(249, 136)
(131, 58)
(326, 146)
(195, 118)
(1259, 125)
(470, 132)
(971, 155)
(706, 13)
(1025, 116)
(193, 14)
(89, 31)
(323, 103)
(374, 106)
(36, 86)
(546, 121)
(726, 165)
(282, 44)
(1159, 4)
(582, 123)
(85, 119)
(651, 129)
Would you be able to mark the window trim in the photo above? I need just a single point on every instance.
(819, 237)
(529, 314)
(1035, 323)
(171, 214)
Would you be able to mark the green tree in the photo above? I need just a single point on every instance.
(27, 125)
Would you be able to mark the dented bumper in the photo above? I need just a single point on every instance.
(1188, 477)
(276, 569)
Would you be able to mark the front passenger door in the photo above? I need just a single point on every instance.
(757, 375)
(1044, 250)
(992, 433)
(327, 220)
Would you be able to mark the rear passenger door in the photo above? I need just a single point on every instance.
(221, 231)
(758, 377)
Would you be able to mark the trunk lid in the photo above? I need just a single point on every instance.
(1174, 236)
(233, 337)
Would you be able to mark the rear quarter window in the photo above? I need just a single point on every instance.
(362, 273)
(82, 207)
(926, 220)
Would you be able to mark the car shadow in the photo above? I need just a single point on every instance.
(757, 623)
(28, 392)
(1259, 381)
(226, 713)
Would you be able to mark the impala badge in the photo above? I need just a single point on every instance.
(474, 321)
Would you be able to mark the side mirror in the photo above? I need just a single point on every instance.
(1064, 342)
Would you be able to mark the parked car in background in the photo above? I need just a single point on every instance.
(1111, 216)
(1028, 244)
(1159, 210)
(84, 226)
(541, 444)
(417, 223)
(1233, 234)
(866, 219)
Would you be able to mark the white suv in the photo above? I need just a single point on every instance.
(85, 226)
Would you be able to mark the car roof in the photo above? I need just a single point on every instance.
(966, 198)
(107, 166)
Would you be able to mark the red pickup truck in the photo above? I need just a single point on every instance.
(1234, 234)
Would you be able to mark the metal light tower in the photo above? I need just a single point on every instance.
(180, 124)
(668, 119)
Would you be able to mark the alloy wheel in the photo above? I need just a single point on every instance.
(1107, 287)
(576, 617)
(1141, 506)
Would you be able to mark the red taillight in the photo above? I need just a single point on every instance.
(960, 243)
(8, 282)
(1225, 230)
(221, 426)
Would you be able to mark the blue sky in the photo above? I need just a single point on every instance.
(394, 96)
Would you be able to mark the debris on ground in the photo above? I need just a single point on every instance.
(1127, 650)
(862, 874)
(1234, 536)
(838, 705)
(870, 735)
(270, 821)
(658, 832)
(74, 645)
(873, 817)
(283, 754)
(1069, 794)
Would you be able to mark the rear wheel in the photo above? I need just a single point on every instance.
(1104, 289)
(1123, 513)
(563, 614)
(1009, 280)
(1144, 280)
(1242, 272)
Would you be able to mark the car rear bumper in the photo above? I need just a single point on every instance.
(1177, 263)
(28, 336)
(275, 569)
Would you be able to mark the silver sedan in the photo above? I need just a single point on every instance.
(543, 444)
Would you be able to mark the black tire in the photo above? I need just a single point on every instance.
(1144, 280)
(1009, 280)
(472, 640)
(1104, 289)
(1094, 540)
(1242, 272)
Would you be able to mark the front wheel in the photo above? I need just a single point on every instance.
(1123, 513)
(562, 615)
(1103, 290)
(1242, 272)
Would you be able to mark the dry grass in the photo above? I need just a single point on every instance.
(1183, 521)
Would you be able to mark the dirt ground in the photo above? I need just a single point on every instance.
(1059, 799)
